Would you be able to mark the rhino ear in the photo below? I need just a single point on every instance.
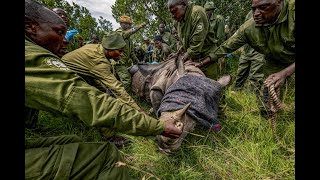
(182, 111)
(133, 69)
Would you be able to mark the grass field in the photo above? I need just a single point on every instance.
(244, 149)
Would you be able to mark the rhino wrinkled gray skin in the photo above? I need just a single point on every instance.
(184, 94)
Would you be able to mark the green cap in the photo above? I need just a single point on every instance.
(113, 40)
(209, 6)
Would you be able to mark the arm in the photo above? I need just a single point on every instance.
(103, 74)
(59, 90)
(237, 40)
(126, 34)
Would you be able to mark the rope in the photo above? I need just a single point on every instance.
(275, 106)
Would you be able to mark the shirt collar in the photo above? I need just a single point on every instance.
(188, 11)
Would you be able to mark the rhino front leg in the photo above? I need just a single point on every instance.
(156, 96)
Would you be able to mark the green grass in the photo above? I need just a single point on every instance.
(244, 149)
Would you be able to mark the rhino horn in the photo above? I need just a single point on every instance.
(181, 112)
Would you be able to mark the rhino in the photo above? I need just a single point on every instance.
(181, 91)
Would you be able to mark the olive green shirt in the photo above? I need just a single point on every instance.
(276, 41)
(51, 86)
(163, 53)
(128, 58)
(91, 63)
(168, 38)
(216, 32)
(193, 30)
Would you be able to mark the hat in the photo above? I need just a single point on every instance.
(209, 6)
(125, 19)
(113, 40)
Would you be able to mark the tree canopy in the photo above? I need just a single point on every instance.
(152, 12)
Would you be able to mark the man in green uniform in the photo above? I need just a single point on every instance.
(129, 58)
(167, 37)
(92, 63)
(51, 86)
(216, 30)
(250, 67)
(74, 41)
(192, 26)
(148, 50)
(271, 32)
(162, 50)
(216, 24)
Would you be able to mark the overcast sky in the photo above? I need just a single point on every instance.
(99, 8)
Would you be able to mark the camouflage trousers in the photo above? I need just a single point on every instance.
(250, 68)
(67, 157)
(211, 71)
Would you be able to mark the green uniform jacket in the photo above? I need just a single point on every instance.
(91, 63)
(216, 31)
(51, 86)
(128, 58)
(193, 30)
(276, 41)
(168, 38)
(163, 53)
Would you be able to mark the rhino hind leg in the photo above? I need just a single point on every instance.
(170, 146)
(224, 80)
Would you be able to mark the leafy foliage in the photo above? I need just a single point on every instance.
(80, 18)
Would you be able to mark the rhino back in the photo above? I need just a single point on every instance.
(202, 92)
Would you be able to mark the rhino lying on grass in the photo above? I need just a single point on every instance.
(184, 94)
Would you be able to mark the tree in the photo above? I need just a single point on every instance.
(80, 18)
(156, 11)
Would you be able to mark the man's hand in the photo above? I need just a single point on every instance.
(172, 128)
(279, 78)
(202, 63)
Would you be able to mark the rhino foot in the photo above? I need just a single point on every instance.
(225, 80)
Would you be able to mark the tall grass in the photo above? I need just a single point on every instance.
(244, 149)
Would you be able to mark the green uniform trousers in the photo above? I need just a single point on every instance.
(124, 76)
(31, 117)
(67, 157)
(250, 68)
(211, 71)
